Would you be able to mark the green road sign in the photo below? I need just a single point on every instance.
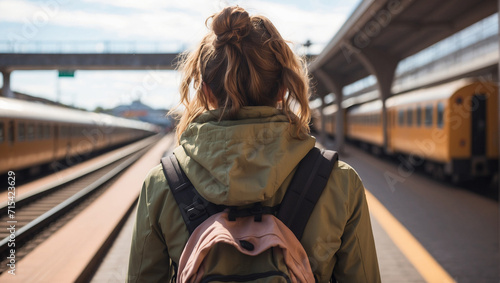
(67, 73)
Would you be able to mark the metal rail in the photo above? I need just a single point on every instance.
(43, 190)
(27, 231)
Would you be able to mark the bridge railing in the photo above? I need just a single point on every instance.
(98, 47)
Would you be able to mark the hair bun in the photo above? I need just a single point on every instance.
(231, 25)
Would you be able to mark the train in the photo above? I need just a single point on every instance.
(450, 129)
(34, 134)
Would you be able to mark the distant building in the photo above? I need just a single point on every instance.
(138, 110)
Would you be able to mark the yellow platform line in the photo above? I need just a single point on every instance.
(425, 264)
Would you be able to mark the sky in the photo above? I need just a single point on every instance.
(174, 25)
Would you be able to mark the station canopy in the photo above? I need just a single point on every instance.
(393, 30)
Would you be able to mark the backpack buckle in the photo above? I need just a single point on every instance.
(231, 215)
(195, 211)
(257, 210)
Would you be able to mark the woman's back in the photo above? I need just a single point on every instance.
(240, 143)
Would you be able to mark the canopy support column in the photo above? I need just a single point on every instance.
(383, 66)
(335, 86)
(6, 91)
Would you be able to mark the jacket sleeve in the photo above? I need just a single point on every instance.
(357, 258)
(149, 260)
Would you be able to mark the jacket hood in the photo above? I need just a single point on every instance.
(240, 161)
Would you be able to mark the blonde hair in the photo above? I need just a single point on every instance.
(245, 62)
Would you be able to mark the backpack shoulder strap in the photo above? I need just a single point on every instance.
(305, 189)
(194, 208)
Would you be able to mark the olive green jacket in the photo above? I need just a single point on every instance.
(243, 161)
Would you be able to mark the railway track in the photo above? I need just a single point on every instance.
(39, 214)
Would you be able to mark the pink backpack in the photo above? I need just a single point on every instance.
(256, 244)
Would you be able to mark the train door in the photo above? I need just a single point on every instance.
(478, 124)
(478, 135)
(11, 133)
(390, 128)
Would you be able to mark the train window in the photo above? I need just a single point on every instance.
(31, 132)
(409, 117)
(429, 119)
(2, 136)
(440, 115)
(419, 116)
(39, 132)
(56, 131)
(20, 131)
(401, 117)
(64, 131)
(46, 132)
(10, 132)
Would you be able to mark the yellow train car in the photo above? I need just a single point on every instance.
(451, 128)
(33, 134)
(364, 124)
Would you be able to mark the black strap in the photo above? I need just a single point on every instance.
(295, 209)
(194, 208)
(305, 189)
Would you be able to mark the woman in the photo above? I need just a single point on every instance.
(241, 137)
